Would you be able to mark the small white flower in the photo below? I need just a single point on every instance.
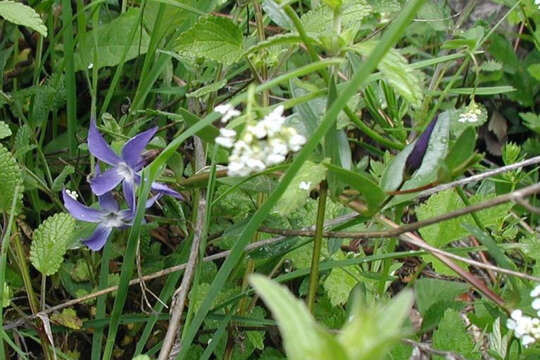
(228, 112)
(258, 130)
(90, 66)
(227, 132)
(536, 304)
(296, 141)
(536, 291)
(226, 137)
(72, 194)
(305, 185)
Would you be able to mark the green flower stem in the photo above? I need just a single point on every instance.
(97, 338)
(34, 306)
(317, 245)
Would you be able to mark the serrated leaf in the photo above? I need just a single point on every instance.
(396, 71)
(10, 178)
(451, 335)
(451, 230)
(320, 20)
(5, 131)
(430, 291)
(532, 121)
(307, 178)
(339, 284)
(21, 14)
(214, 38)
(112, 39)
(50, 242)
(303, 338)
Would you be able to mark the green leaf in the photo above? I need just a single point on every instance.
(393, 174)
(307, 178)
(50, 242)
(451, 335)
(10, 178)
(362, 182)
(462, 149)
(340, 282)
(276, 13)
(396, 71)
(5, 131)
(58, 183)
(319, 21)
(214, 38)
(534, 70)
(430, 291)
(334, 4)
(373, 329)
(446, 201)
(21, 14)
(303, 338)
(208, 89)
(68, 318)
(532, 121)
(112, 40)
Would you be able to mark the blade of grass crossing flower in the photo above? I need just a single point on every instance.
(127, 266)
(5, 245)
(97, 338)
(69, 69)
(388, 40)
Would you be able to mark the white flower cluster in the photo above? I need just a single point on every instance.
(472, 114)
(73, 194)
(261, 145)
(537, 3)
(526, 328)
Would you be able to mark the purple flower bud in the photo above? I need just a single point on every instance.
(414, 160)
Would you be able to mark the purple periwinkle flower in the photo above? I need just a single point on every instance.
(414, 160)
(108, 216)
(124, 168)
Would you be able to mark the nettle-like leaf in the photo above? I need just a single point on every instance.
(5, 131)
(340, 282)
(21, 14)
(303, 338)
(10, 178)
(307, 178)
(396, 71)
(112, 39)
(451, 335)
(319, 21)
(214, 38)
(50, 242)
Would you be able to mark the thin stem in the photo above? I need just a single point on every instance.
(97, 339)
(317, 245)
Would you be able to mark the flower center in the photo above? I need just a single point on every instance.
(113, 220)
(125, 171)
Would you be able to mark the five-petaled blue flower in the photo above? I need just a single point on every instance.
(109, 216)
(124, 168)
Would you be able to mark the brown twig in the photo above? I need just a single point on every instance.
(180, 296)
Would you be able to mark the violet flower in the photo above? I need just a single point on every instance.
(124, 168)
(108, 216)
(414, 160)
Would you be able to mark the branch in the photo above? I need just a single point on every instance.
(516, 196)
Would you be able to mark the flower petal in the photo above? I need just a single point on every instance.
(97, 240)
(105, 182)
(108, 202)
(165, 190)
(129, 195)
(80, 211)
(99, 147)
(131, 152)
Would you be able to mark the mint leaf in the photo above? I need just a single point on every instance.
(452, 335)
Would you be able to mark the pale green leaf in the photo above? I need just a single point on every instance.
(58, 183)
(21, 14)
(532, 121)
(307, 178)
(451, 335)
(320, 20)
(214, 38)
(302, 337)
(208, 89)
(277, 14)
(5, 131)
(50, 242)
(430, 291)
(112, 40)
(339, 284)
(396, 71)
(373, 329)
(534, 70)
(10, 178)
(68, 318)
(393, 174)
